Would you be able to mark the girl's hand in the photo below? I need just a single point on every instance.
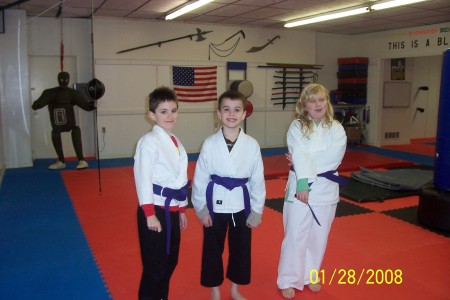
(206, 221)
(302, 196)
(153, 224)
(289, 158)
(183, 221)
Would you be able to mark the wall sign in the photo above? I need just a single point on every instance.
(424, 38)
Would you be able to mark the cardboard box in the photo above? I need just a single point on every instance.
(354, 134)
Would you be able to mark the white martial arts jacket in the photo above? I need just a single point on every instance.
(157, 161)
(321, 152)
(244, 161)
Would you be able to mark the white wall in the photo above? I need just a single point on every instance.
(422, 41)
(129, 78)
(2, 156)
(420, 71)
(124, 123)
(14, 93)
(341, 46)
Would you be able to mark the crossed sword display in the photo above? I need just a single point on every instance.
(199, 36)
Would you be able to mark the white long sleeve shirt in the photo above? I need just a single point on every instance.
(323, 151)
(158, 161)
(244, 161)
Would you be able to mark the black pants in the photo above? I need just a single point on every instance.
(76, 141)
(239, 245)
(157, 266)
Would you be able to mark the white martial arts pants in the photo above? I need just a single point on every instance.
(304, 242)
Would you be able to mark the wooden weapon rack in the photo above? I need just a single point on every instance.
(290, 79)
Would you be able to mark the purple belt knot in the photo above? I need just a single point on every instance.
(229, 183)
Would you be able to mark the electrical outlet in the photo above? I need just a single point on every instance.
(103, 129)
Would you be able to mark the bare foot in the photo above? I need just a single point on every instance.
(235, 295)
(215, 293)
(288, 293)
(314, 287)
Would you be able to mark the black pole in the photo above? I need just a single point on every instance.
(98, 153)
(95, 98)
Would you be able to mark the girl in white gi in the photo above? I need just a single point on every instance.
(228, 195)
(160, 174)
(317, 144)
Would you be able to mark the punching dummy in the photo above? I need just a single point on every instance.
(60, 101)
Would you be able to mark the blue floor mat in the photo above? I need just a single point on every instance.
(42, 233)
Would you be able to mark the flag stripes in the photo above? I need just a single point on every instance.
(195, 84)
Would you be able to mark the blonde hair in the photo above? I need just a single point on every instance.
(301, 114)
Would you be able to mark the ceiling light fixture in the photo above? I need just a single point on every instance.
(326, 17)
(395, 3)
(187, 9)
(350, 12)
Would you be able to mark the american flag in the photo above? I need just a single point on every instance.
(195, 84)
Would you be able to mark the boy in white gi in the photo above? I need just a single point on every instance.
(160, 174)
(317, 144)
(228, 195)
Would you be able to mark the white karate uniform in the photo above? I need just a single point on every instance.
(304, 242)
(158, 161)
(244, 161)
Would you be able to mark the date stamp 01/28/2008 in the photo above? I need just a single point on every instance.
(357, 277)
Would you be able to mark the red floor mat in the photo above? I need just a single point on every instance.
(359, 242)
(424, 146)
(423, 149)
(277, 166)
(380, 206)
(423, 140)
(109, 223)
(355, 159)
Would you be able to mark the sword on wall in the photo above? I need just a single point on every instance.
(199, 37)
(256, 49)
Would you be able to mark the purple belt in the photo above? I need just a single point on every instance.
(330, 176)
(229, 183)
(170, 194)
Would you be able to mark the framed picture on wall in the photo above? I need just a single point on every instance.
(398, 69)
(396, 94)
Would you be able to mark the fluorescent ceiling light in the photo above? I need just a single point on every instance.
(326, 17)
(394, 3)
(187, 9)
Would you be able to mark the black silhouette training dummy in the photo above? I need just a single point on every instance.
(60, 101)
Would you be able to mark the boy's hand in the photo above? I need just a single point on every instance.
(252, 226)
(206, 221)
(153, 224)
(183, 221)
(253, 219)
(303, 196)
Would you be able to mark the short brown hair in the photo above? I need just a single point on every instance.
(159, 95)
(233, 95)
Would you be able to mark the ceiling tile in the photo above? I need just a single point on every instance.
(257, 13)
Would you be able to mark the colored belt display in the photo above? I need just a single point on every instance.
(229, 183)
(170, 194)
(330, 176)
